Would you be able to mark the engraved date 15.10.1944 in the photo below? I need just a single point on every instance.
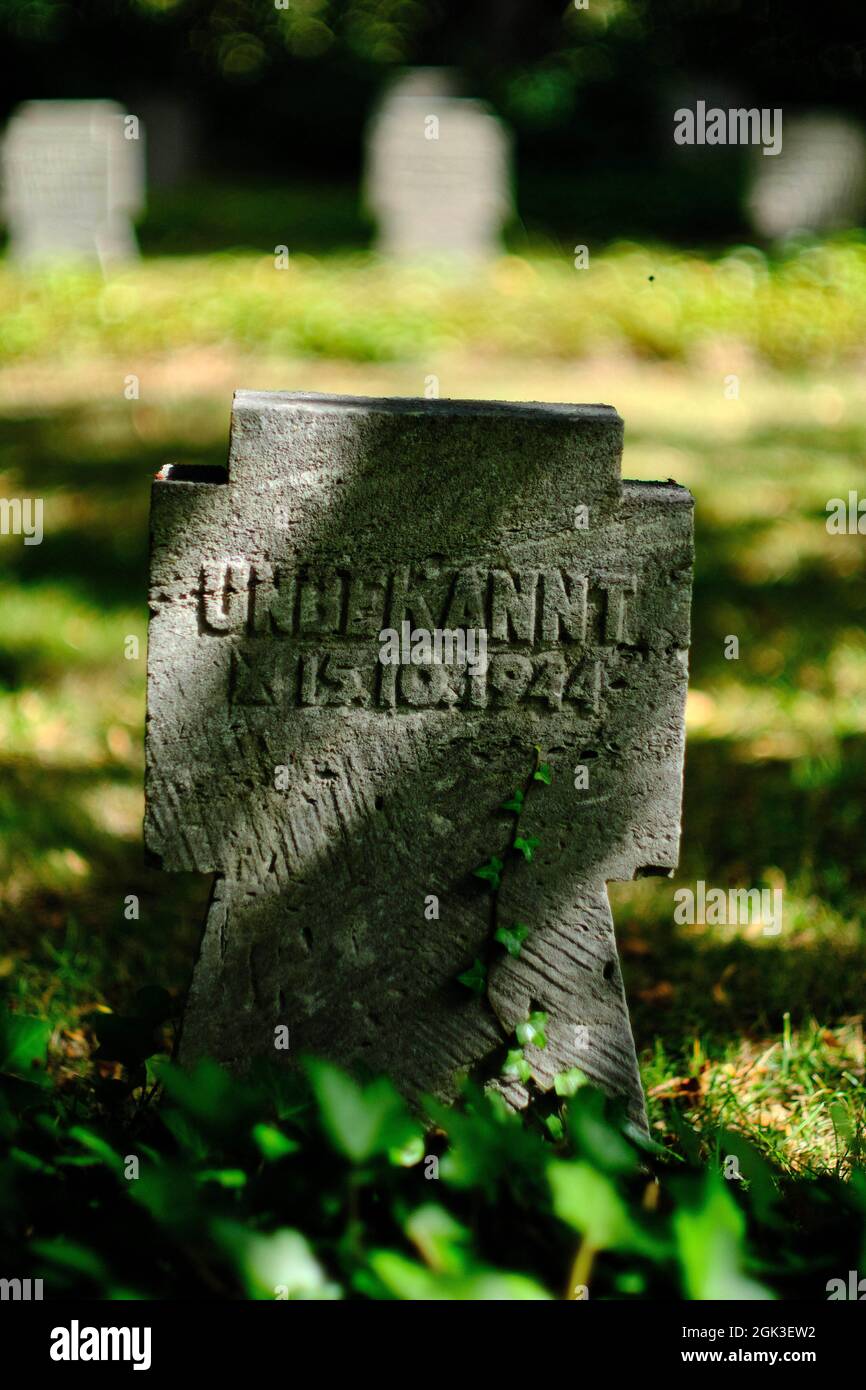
(551, 633)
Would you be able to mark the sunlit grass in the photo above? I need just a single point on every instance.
(764, 1031)
(808, 309)
(799, 1098)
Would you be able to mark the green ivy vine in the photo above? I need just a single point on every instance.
(510, 937)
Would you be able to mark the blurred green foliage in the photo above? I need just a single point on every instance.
(286, 91)
(305, 1184)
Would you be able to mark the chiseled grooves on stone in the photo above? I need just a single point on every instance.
(267, 596)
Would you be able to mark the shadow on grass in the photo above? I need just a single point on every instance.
(68, 929)
(100, 552)
(741, 820)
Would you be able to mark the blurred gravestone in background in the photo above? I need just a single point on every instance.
(817, 183)
(438, 170)
(73, 177)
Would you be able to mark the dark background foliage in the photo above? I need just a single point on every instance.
(285, 94)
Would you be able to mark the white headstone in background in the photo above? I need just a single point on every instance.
(73, 178)
(438, 176)
(817, 183)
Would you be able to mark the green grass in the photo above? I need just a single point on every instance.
(806, 309)
(760, 1034)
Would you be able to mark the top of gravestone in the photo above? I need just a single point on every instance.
(425, 83)
(403, 444)
(77, 109)
(259, 401)
(416, 468)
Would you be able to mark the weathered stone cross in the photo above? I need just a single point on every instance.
(343, 801)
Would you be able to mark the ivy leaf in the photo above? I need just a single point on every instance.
(226, 1177)
(515, 1064)
(516, 802)
(492, 871)
(475, 978)
(543, 774)
(281, 1262)
(88, 1139)
(407, 1155)
(527, 846)
(568, 1083)
(361, 1121)
(512, 938)
(409, 1280)
(711, 1246)
(532, 1031)
(555, 1127)
(590, 1202)
(272, 1143)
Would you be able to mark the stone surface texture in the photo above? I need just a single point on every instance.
(331, 795)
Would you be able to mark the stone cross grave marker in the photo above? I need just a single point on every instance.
(437, 179)
(343, 802)
(72, 181)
